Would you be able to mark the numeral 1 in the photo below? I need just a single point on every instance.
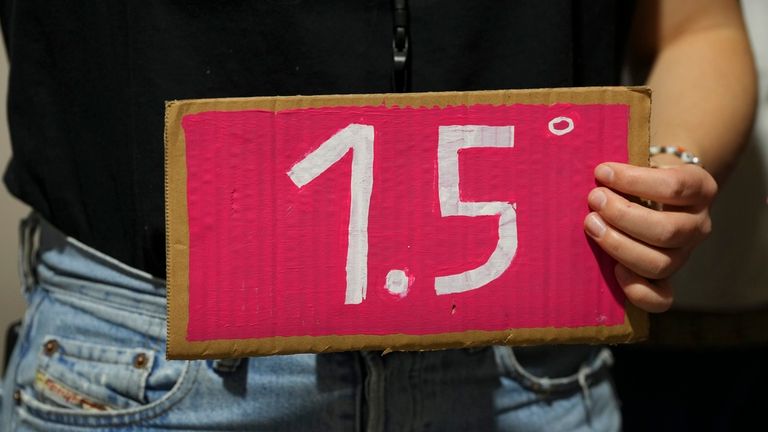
(359, 139)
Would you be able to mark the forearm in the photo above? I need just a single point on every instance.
(704, 87)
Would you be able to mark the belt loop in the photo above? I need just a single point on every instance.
(585, 391)
(226, 365)
(374, 390)
(28, 227)
(604, 358)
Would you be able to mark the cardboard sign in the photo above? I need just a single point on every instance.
(393, 222)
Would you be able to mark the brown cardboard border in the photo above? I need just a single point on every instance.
(635, 326)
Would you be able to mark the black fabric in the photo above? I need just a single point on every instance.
(89, 80)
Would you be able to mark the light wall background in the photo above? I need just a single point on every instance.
(11, 210)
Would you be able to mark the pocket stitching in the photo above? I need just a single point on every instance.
(120, 352)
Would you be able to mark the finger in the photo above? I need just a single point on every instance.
(645, 260)
(664, 229)
(650, 295)
(684, 185)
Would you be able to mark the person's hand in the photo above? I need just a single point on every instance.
(649, 245)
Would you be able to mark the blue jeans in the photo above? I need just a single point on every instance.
(91, 355)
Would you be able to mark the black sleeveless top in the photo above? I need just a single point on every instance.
(88, 81)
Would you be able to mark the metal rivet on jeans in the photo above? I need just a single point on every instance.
(17, 396)
(50, 347)
(140, 361)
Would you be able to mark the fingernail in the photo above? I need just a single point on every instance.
(596, 199)
(604, 173)
(595, 226)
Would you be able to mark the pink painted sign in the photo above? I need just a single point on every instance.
(382, 220)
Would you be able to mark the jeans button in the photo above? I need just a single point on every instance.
(140, 361)
(50, 347)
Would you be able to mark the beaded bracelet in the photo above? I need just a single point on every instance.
(685, 156)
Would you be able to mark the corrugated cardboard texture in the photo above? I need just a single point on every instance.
(635, 325)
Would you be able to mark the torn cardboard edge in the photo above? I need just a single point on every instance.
(634, 328)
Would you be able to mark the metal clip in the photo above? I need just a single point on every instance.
(400, 46)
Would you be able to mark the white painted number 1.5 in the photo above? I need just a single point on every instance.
(359, 139)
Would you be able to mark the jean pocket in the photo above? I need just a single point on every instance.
(85, 384)
(80, 375)
(554, 369)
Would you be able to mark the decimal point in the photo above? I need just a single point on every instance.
(397, 283)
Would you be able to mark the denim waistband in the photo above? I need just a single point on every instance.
(88, 279)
